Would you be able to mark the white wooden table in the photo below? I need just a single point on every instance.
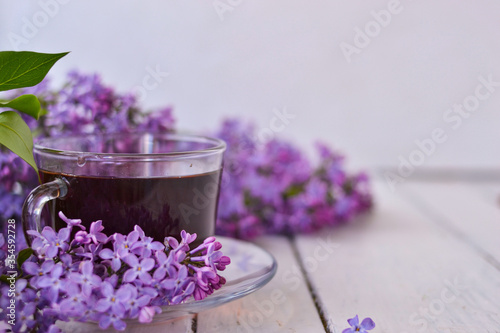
(427, 259)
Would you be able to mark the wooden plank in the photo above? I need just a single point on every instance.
(284, 304)
(468, 212)
(488, 191)
(181, 325)
(402, 270)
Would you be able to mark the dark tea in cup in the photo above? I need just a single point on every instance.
(164, 183)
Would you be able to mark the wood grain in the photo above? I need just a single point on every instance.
(404, 271)
(465, 210)
(283, 305)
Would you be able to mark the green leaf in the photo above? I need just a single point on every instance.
(28, 104)
(16, 135)
(25, 69)
(23, 256)
(3, 278)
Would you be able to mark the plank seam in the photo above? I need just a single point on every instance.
(194, 323)
(318, 304)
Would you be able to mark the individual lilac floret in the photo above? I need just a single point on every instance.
(38, 271)
(183, 245)
(71, 222)
(126, 243)
(136, 301)
(366, 325)
(146, 244)
(113, 299)
(86, 279)
(113, 256)
(82, 237)
(176, 280)
(95, 232)
(49, 243)
(53, 283)
(74, 304)
(138, 269)
(164, 263)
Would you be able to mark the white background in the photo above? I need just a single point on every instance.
(266, 55)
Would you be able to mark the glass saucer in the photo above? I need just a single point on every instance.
(251, 268)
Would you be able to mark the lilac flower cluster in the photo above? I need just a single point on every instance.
(84, 104)
(273, 188)
(93, 277)
(268, 187)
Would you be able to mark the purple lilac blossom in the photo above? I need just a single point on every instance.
(86, 279)
(273, 188)
(366, 325)
(82, 279)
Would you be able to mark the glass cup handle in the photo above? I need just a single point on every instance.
(32, 207)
